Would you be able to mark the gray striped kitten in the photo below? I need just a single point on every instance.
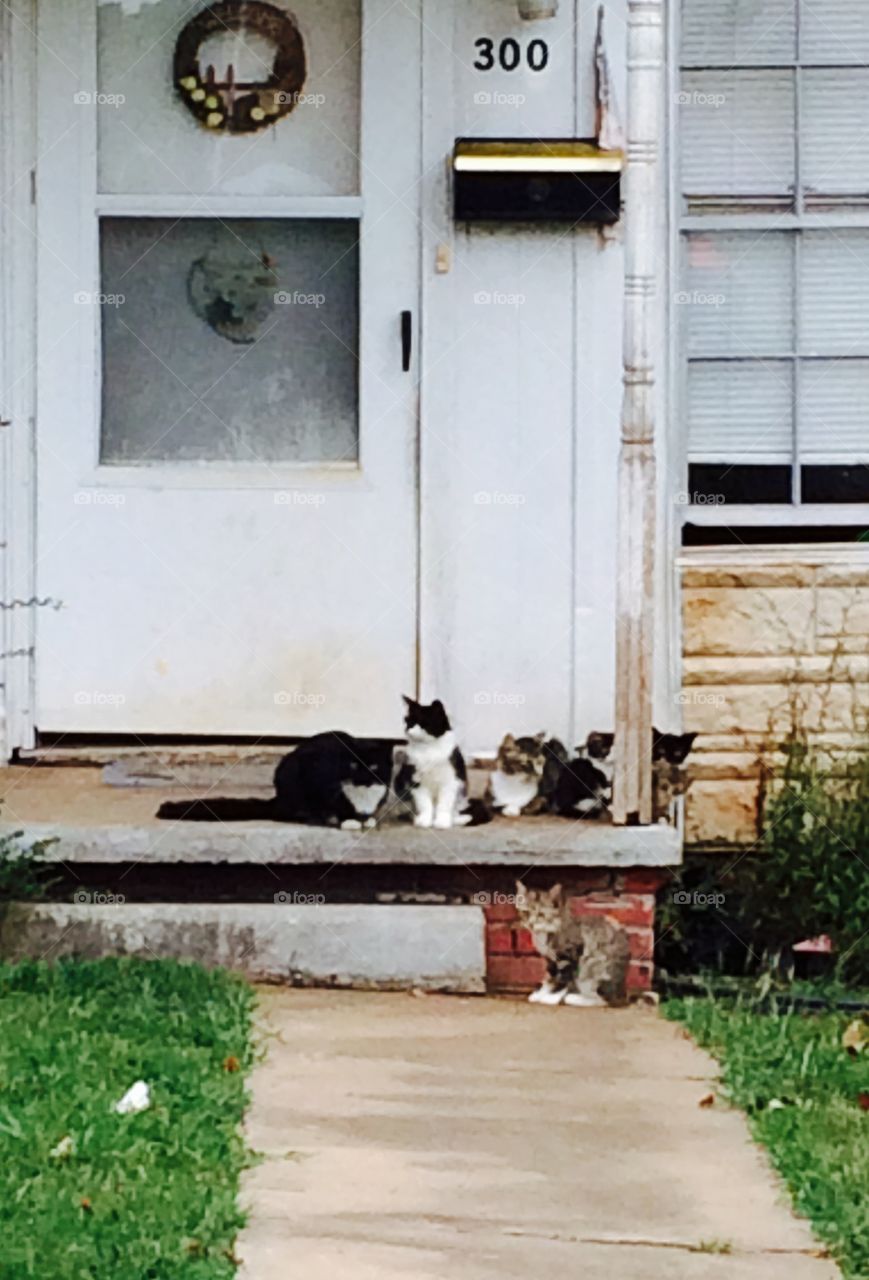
(586, 957)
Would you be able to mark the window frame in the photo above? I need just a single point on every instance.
(794, 222)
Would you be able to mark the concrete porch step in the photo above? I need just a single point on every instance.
(94, 823)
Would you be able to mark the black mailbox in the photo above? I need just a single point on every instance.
(540, 180)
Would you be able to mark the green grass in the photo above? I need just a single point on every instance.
(819, 1139)
(151, 1195)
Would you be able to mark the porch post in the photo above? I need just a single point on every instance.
(632, 783)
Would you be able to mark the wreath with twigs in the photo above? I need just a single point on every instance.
(218, 100)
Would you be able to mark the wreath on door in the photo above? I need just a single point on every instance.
(216, 98)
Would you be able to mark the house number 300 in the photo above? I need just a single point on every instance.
(508, 54)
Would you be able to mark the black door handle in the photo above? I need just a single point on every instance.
(406, 340)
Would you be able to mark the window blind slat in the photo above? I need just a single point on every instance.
(834, 298)
(834, 410)
(740, 409)
(738, 296)
(728, 33)
(835, 143)
(834, 31)
(737, 133)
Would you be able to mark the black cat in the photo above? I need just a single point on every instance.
(332, 779)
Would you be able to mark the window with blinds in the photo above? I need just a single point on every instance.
(773, 301)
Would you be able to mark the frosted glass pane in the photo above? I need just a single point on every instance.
(736, 409)
(738, 33)
(232, 341)
(834, 311)
(150, 142)
(737, 133)
(834, 410)
(835, 146)
(738, 295)
(834, 31)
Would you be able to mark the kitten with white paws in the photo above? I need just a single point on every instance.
(433, 774)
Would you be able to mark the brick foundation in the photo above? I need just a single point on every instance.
(512, 962)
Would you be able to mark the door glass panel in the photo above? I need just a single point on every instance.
(159, 132)
(229, 340)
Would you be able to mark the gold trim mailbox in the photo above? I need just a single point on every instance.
(539, 180)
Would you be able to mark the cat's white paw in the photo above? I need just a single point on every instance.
(351, 824)
(576, 1001)
(422, 820)
(545, 995)
(369, 823)
(511, 811)
(443, 822)
(462, 820)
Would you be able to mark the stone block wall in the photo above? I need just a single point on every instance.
(770, 637)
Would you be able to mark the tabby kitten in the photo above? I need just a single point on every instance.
(586, 957)
(669, 779)
(526, 775)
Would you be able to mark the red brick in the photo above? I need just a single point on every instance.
(632, 909)
(500, 911)
(642, 944)
(514, 973)
(639, 976)
(646, 879)
(523, 943)
(499, 939)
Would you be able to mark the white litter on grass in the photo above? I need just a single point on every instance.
(137, 1098)
(64, 1149)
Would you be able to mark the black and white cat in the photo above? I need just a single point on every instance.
(432, 775)
(331, 779)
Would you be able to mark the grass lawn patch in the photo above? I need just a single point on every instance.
(86, 1194)
(802, 1093)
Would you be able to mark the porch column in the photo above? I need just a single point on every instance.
(632, 783)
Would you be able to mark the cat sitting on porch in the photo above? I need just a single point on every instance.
(331, 779)
(586, 956)
(534, 775)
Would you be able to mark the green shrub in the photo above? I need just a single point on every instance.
(812, 873)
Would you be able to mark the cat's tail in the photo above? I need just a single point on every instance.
(220, 809)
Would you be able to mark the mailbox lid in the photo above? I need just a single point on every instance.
(539, 180)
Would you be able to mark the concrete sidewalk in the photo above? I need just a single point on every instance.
(424, 1138)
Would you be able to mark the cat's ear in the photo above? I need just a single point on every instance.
(521, 891)
(508, 741)
(409, 701)
(540, 738)
(555, 893)
(437, 705)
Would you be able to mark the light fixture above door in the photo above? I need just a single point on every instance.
(538, 8)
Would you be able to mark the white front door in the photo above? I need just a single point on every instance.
(227, 416)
